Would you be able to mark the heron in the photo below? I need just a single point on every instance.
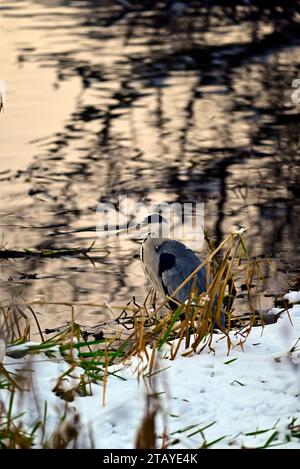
(167, 263)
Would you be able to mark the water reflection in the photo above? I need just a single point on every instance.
(172, 101)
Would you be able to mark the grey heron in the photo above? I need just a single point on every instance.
(167, 263)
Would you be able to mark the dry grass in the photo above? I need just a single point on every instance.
(200, 314)
(154, 325)
(149, 328)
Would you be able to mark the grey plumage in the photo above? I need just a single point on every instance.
(167, 263)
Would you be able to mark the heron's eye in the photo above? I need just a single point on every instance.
(156, 248)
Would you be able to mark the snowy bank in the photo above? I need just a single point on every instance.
(249, 398)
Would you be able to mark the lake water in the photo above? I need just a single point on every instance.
(162, 101)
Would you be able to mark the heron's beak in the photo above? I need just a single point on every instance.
(138, 231)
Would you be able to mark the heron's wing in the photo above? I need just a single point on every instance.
(176, 263)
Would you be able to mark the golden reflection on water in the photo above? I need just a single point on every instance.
(96, 110)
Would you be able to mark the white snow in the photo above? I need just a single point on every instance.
(255, 387)
(240, 231)
(293, 297)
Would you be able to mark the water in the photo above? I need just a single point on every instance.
(159, 101)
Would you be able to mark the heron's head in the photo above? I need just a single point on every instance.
(154, 226)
